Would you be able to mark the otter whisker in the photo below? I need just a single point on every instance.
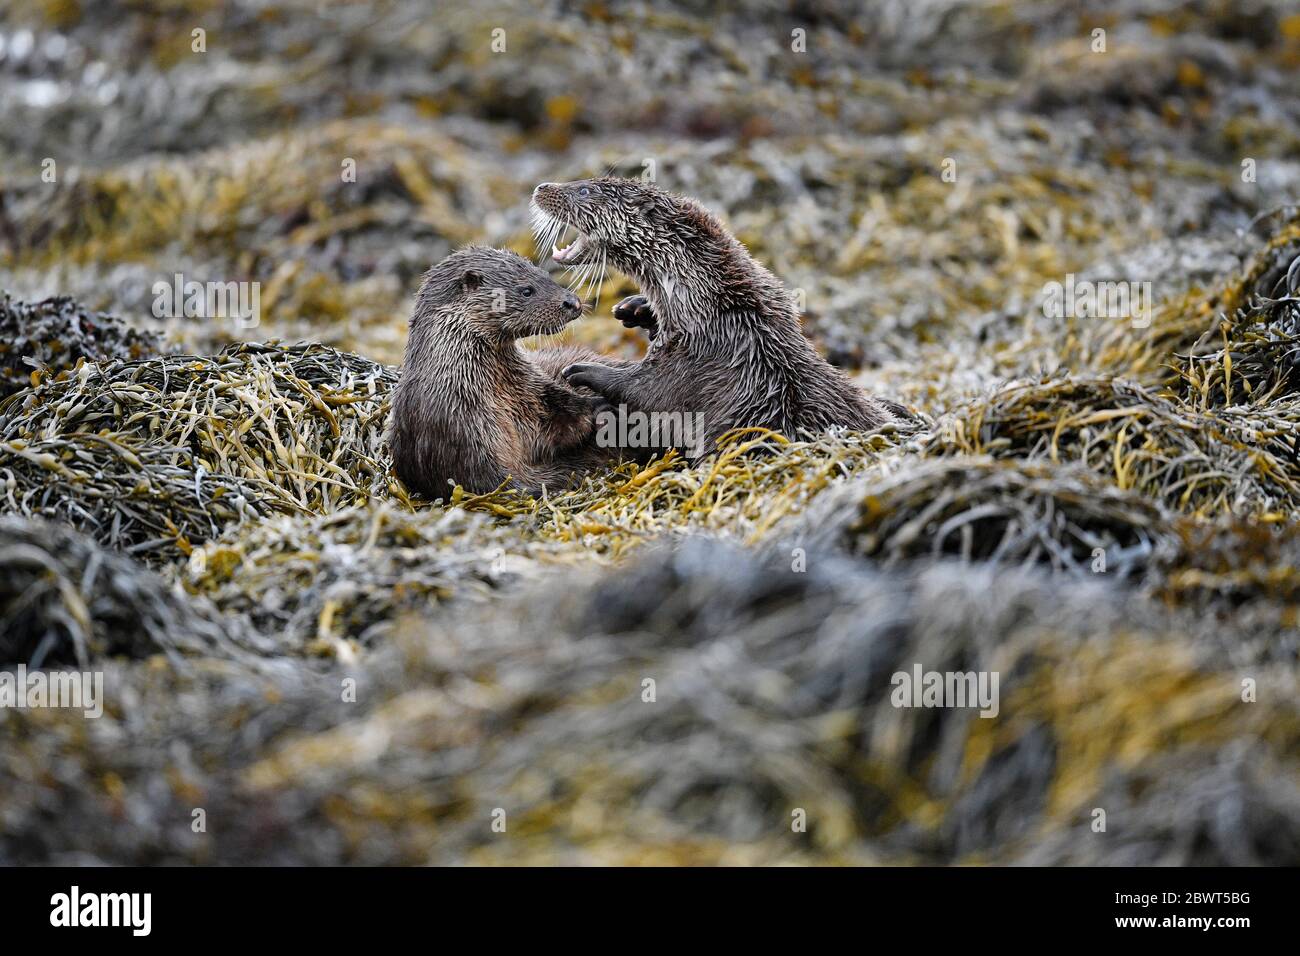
(585, 275)
(553, 234)
(576, 282)
(575, 274)
(547, 230)
(601, 275)
(550, 237)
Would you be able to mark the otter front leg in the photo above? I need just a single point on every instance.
(635, 312)
(609, 383)
(569, 421)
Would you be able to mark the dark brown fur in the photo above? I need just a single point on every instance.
(725, 336)
(471, 406)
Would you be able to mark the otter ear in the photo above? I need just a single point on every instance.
(470, 280)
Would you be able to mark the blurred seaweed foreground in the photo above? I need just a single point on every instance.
(670, 664)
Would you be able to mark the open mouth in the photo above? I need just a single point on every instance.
(570, 253)
(583, 256)
(550, 230)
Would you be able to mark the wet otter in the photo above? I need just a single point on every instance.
(472, 407)
(725, 337)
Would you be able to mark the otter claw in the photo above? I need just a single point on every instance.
(635, 312)
(576, 368)
(587, 374)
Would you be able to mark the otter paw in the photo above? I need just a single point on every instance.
(635, 312)
(588, 375)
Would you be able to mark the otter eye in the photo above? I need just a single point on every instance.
(527, 290)
(584, 191)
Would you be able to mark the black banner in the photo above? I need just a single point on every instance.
(937, 905)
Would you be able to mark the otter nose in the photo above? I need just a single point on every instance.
(572, 303)
(542, 186)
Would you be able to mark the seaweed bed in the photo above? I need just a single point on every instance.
(666, 663)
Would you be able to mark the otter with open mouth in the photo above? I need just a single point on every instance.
(725, 336)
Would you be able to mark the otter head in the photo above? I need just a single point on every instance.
(634, 226)
(496, 295)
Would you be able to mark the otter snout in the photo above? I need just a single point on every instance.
(572, 304)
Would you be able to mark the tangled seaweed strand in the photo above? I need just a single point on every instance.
(150, 500)
(1066, 520)
(772, 694)
(1260, 354)
(757, 478)
(329, 585)
(64, 600)
(332, 584)
(57, 334)
(1239, 461)
(1002, 512)
(1188, 335)
(1226, 566)
(301, 424)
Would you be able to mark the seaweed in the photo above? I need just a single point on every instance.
(771, 698)
(66, 601)
(998, 512)
(147, 499)
(332, 585)
(1100, 511)
(301, 424)
(1203, 462)
(38, 339)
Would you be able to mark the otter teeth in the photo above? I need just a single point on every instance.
(565, 253)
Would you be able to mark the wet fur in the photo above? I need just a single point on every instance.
(725, 336)
(474, 408)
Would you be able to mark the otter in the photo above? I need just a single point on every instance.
(471, 406)
(724, 334)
